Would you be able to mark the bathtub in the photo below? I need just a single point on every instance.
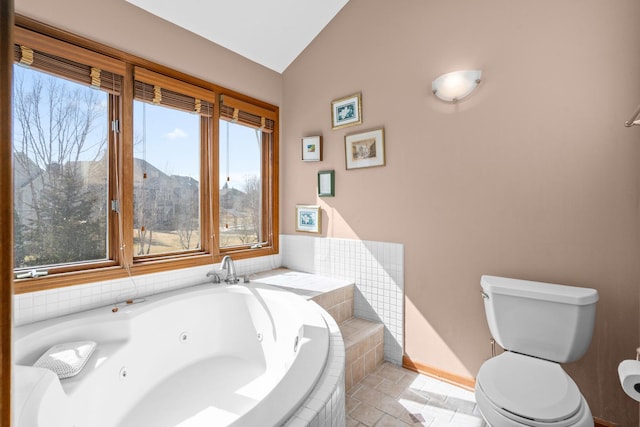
(210, 355)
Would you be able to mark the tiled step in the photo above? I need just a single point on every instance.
(363, 339)
(364, 347)
(337, 302)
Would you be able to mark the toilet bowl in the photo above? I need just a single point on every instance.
(541, 325)
(518, 390)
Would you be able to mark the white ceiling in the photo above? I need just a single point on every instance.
(270, 32)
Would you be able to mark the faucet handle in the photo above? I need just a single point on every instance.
(33, 273)
(215, 275)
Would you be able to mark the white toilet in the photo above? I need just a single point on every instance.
(540, 325)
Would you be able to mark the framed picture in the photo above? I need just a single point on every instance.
(326, 183)
(366, 149)
(312, 148)
(308, 218)
(346, 111)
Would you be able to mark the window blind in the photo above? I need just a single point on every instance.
(67, 61)
(158, 89)
(235, 110)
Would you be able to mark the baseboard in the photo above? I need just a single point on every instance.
(602, 423)
(467, 383)
(458, 380)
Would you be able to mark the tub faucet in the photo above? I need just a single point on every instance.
(227, 264)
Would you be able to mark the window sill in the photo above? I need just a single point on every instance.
(140, 267)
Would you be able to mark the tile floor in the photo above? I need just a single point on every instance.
(393, 396)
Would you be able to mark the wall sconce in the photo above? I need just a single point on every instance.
(454, 86)
(635, 119)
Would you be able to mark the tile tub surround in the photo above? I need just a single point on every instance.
(376, 268)
(42, 305)
(325, 405)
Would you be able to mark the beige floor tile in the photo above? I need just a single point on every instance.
(414, 396)
(416, 419)
(390, 372)
(351, 404)
(368, 395)
(409, 379)
(466, 420)
(366, 414)
(354, 389)
(438, 413)
(388, 421)
(372, 380)
(390, 388)
(394, 396)
(390, 406)
(412, 407)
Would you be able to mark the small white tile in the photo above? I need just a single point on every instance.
(24, 301)
(306, 414)
(315, 404)
(296, 422)
(39, 299)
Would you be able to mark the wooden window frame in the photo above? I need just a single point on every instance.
(122, 261)
(250, 115)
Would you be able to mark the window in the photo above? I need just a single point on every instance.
(241, 190)
(166, 175)
(120, 169)
(61, 170)
(169, 130)
(247, 175)
(63, 149)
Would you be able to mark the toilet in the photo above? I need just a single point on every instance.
(540, 325)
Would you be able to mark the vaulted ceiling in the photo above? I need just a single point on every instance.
(270, 32)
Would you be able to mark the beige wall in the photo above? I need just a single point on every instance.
(534, 176)
(128, 28)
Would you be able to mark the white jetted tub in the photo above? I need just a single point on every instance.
(210, 355)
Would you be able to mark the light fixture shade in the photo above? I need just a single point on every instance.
(456, 85)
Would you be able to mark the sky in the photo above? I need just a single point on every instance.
(172, 144)
(171, 136)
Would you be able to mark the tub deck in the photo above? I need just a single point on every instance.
(307, 285)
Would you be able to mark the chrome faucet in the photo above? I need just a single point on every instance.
(227, 264)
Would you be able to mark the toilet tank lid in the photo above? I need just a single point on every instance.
(538, 290)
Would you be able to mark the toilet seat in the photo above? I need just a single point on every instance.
(528, 390)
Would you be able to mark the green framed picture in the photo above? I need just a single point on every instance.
(326, 184)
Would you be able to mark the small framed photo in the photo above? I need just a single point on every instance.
(326, 184)
(346, 111)
(308, 218)
(366, 149)
(312, 148)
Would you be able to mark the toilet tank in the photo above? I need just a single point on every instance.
(552, 322)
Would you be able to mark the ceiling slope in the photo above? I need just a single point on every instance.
(272, 33)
